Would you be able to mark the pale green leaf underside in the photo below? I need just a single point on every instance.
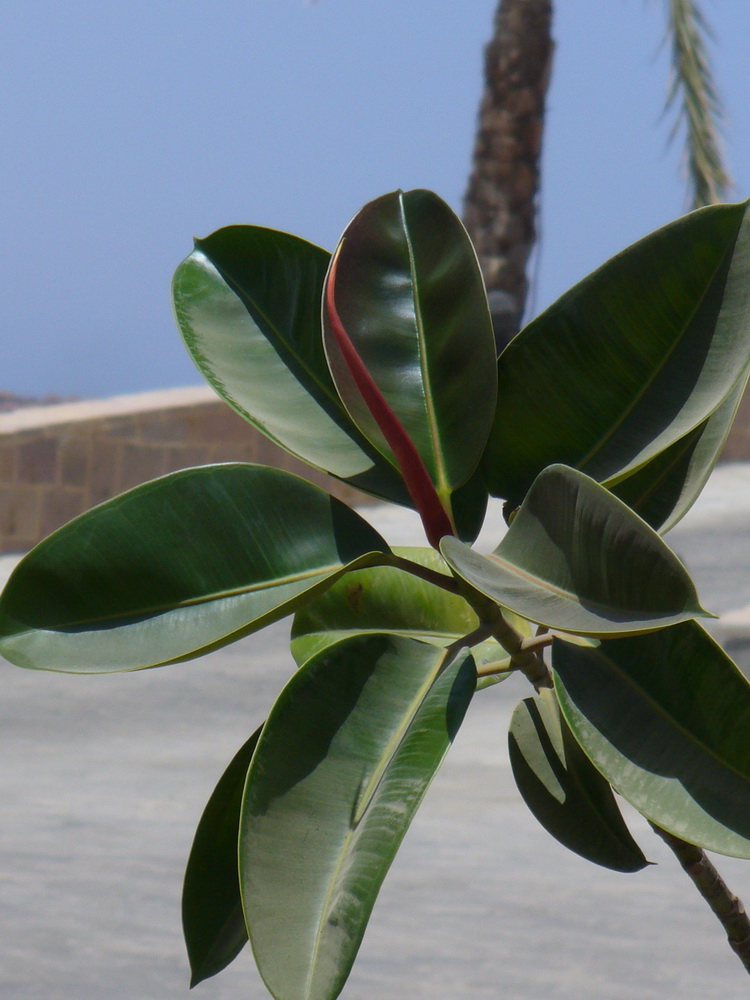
(576, 558)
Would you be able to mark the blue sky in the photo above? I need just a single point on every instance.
(130, 128)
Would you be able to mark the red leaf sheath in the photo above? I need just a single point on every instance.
(421, 488)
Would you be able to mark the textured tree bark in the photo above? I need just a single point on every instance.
(500, 203)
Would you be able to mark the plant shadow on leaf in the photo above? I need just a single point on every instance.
(577, 559)
(563, 789)
(333, 708)
(212, 917)
(665, 488)
(334, 700)
(344, 760)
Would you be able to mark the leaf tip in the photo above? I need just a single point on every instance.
(702, 613)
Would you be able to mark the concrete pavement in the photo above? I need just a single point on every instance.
(103, 779)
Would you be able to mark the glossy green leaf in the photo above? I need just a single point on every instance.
(177, 567)
(431, 509)
(630, 360)
(564, 790)
(469, 507)
(411, 299)
(212, 918)
(248, 304)
(576, 558)
(664, 489)
(665, 718)
(343, 762)
(385, 599)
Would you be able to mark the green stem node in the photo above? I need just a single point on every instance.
(495, 668)
(524, 652)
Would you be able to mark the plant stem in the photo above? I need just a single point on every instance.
(524, 651)
(472, 639)
(495, 668)
(433, 576)
(726, 906)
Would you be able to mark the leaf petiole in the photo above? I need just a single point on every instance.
(524, 650)
(495, 668)
(432, 576)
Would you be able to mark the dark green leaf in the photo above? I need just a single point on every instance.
(342, 764)
(248, 303)
(411, 298)
(385, 599)
(630, 360)
(664, 489)
(469, 507)
(564, 790)
(665, 718)
(177, 567)
(401, 448)
(576, 558)
(212, 919)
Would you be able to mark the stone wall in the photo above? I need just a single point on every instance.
(57, 461)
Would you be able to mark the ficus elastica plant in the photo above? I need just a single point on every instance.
(597, 426)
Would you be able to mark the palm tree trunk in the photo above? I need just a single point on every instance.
(500, 203)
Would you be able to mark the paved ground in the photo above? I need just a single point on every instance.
(103, 779)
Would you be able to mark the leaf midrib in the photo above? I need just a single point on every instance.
(378, 630)
(568, 595)
(228, 593)
(442, 485)
(359, 812)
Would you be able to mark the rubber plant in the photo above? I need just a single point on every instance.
(598, 426)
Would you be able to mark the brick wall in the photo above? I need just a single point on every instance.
(57, 461)
(737, 448)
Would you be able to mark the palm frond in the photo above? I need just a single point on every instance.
(692, 89)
